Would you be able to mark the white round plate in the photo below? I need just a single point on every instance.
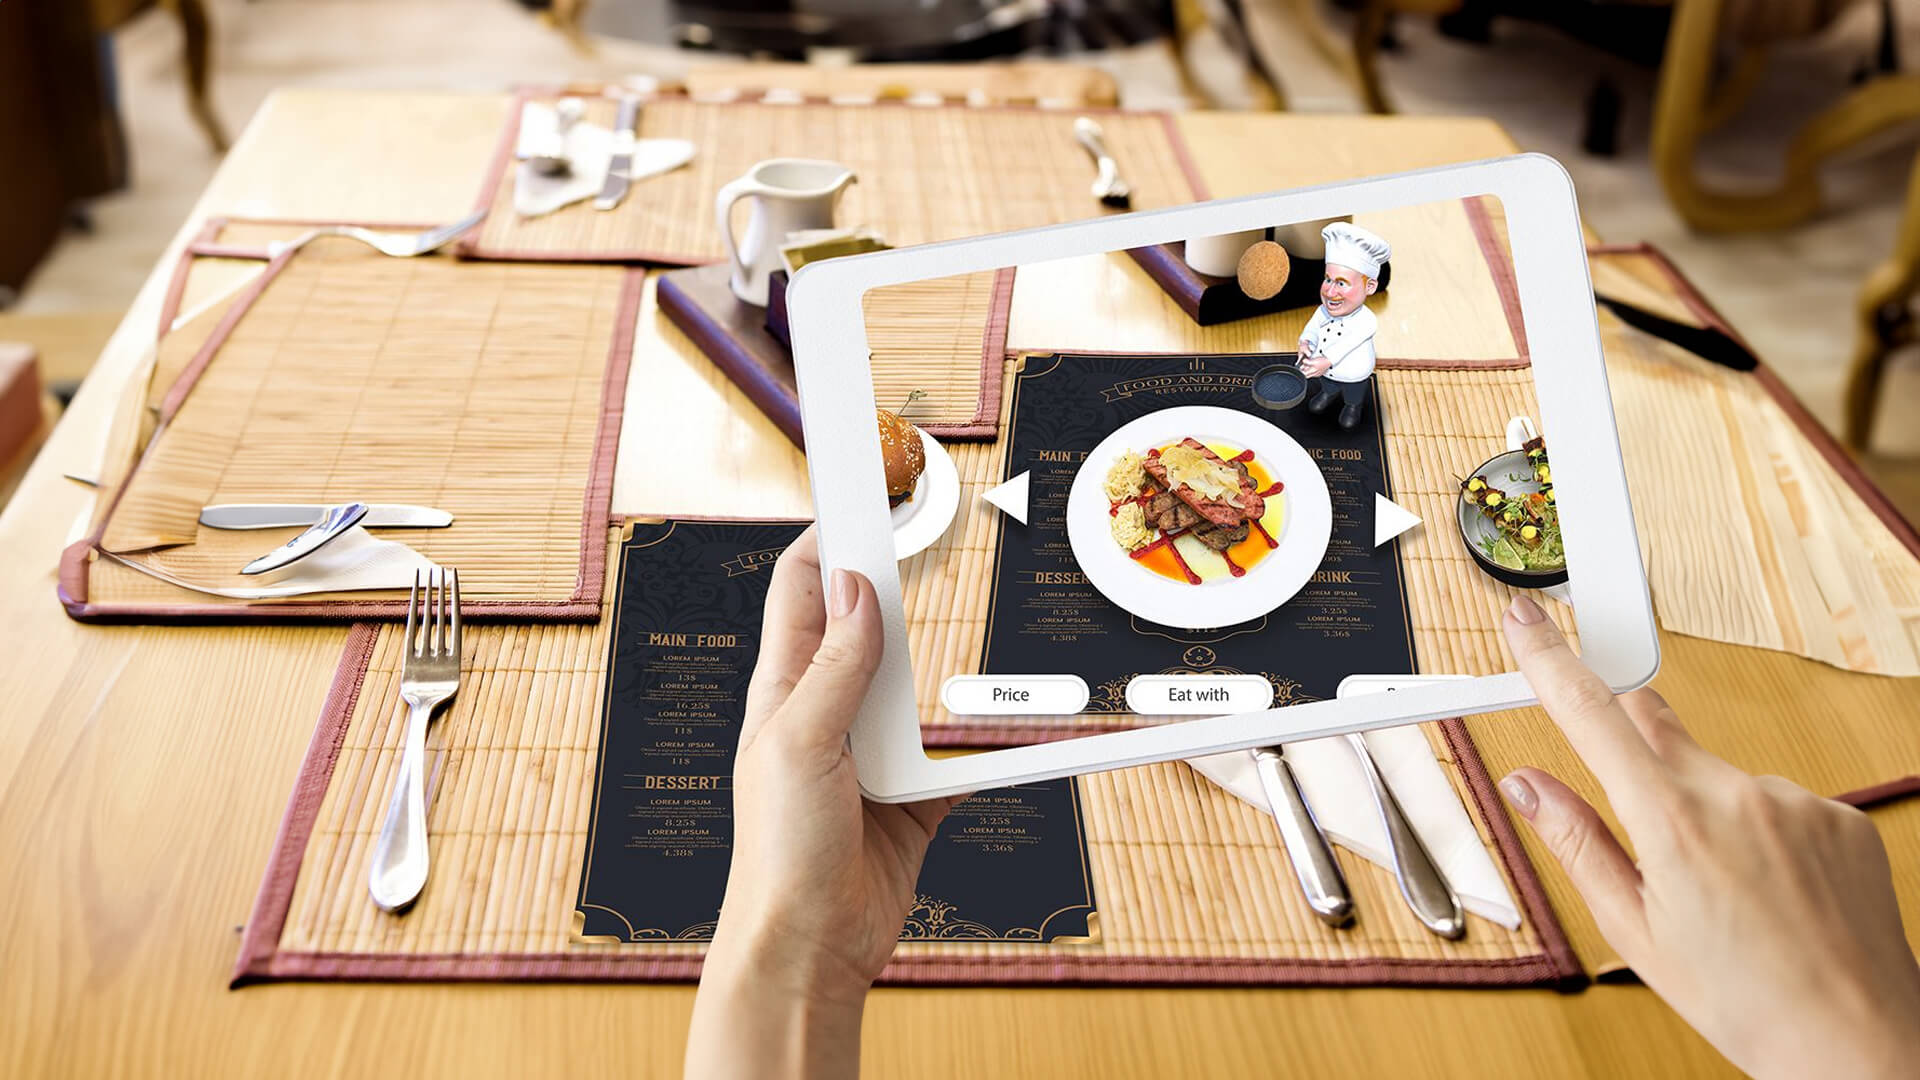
(921, 520)
(1272, 581)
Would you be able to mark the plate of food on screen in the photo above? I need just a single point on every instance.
(923, 486)
(1198, 517)
(1509, 516)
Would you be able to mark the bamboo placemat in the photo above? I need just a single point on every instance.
(946, 339)
(1803, 554)
(925, 173)
(1192, 885)
(1452, 270)
(493, 392)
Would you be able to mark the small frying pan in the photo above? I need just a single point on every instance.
(1280, 386)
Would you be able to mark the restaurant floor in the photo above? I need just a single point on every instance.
(1791, 292)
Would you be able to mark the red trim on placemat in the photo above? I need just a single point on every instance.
(1184, 155)
(993, 354)
(583, 605)
(261, 959)
(1683, 288)
(1867, 798)
(177, 285)
(469, 246)
(269, 918)
(1506, 843)
(1810, 427)
(1500, 265)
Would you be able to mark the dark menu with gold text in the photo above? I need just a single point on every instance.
(1006, 865)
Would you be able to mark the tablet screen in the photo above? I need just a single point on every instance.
(1214, 476)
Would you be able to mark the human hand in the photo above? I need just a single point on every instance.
(1762, 913)
(821, 879)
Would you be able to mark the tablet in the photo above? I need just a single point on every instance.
(1153, 485)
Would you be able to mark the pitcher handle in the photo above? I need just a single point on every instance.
(731, 193)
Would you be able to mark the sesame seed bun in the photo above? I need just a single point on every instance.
(902, 454)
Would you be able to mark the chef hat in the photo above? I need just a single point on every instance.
(1350, 245)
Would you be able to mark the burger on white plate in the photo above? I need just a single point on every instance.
(903, 453)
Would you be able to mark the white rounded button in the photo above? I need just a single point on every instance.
(1014, 695)
(1198, 695)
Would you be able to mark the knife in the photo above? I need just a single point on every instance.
(294, 515)
(1422, 884)
(620, 166)
(1313, 862)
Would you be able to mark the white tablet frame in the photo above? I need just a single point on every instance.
(1557, 307)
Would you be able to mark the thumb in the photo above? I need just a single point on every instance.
(824, 701)
(1587, 850)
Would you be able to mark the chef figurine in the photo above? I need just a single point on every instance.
(1336, 348)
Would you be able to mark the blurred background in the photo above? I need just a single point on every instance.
(1767, 146)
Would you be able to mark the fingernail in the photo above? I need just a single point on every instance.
(1525, 611)
(1520, 794)
(842, 594)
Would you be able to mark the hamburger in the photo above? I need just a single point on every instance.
(902, 454)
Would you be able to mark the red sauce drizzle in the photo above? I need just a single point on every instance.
(1244, 455)
(1232, 566)
(1192, 578)
(1276, 489)
(1265, 535)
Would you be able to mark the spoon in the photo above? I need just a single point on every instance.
(334, 521)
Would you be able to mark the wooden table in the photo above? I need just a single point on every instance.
(136, 813)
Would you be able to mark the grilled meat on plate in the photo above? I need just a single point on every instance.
(1229, 509)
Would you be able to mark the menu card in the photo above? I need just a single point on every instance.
(1045, 616)
(1006, 865)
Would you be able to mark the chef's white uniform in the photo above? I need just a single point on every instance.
(1345, 340)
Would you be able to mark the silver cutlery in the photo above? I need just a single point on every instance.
(333, 523)
(1314, 865)
(399, 245)
(291, 515)
(429, 675)
(1421, 882)
(620, 166)
(1108, 187)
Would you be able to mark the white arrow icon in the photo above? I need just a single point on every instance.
(1011, 497)
(1390, 519)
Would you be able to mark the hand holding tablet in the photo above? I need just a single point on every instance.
(1194, 576)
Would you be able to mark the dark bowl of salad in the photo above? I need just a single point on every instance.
(1509, 520)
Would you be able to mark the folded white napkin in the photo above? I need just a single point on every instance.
(355, 562)
(589, 148)
(1331, 779)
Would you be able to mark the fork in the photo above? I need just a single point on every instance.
(399, 245)
(1108, 187)
(429, 675)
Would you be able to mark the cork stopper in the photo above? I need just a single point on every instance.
(1263, 270)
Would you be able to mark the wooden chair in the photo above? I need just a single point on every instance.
(197, 30)
(1686, 107)
(1884, 318)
